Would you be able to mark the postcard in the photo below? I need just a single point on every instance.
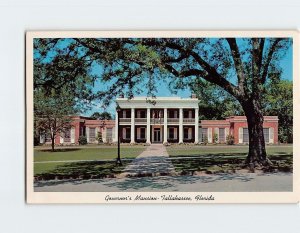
(162, 117)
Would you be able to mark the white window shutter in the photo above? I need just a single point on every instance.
(124, 133)
(72, 135)
(113, 133)
(190, 133)
(190, 114)
(88, 134)
(175, 114)
(240, 135)
(138, 134)
(42, 138)
(138, 114)
(124, 114)
(271, 135)
(217, 133)
(175, 133)
(226, 133)
(209, 137)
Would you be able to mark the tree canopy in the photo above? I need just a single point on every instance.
(241, 67)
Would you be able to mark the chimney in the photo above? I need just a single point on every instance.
(194, 96)
(121, 96)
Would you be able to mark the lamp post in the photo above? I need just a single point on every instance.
(119, 162)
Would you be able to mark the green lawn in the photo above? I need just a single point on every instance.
(68, 154)
(219, 159)
(186, 150)
(98, 153)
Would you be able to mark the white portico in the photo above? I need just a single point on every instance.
(159, 120)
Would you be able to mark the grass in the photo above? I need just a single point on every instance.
(225, 159)
(63, 154)
(49, 166)
(79, 170)
(186, 150)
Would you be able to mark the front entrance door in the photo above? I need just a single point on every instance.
(157, 135)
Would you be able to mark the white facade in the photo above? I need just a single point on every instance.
(159, 120)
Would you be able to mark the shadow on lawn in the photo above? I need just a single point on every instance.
(226, 163)
(60, 150)
(83, 170)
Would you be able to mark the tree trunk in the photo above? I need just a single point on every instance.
(52, 144)
(257, 155)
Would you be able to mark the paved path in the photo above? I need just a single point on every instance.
(279, 182)
(153, 161)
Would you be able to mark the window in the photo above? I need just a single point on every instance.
(245, 135)
(186, 133)
(266, 135)
(109, 134)
(185, 114)
(142, 114)
(143, 133)
(92, 133)
(127, 133)
(221, 135)
(204, 134)
(124, 114)
(171, 133)
(67, 135)
(48, 137)
(82, 131)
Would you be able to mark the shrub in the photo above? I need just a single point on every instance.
(99, 137)
(215, 138)
(82, 140)
(205, 140)
(230, 139)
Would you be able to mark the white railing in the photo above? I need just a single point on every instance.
(173, 120)
(140, 120)
(125, 120)
(188, 120)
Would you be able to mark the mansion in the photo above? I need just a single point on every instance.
(163, 120)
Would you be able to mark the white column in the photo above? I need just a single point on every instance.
(132, 126)
(180, 125)
(148, 126)
(87, 134)
(196, 125)
(116, 129)
(165, 125)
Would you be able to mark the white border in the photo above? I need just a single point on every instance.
(99, 197)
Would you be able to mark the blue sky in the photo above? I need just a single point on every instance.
(163, 90)
(162, 86)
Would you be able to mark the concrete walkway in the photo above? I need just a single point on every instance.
(154, 161)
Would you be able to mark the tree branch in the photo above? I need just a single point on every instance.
(238, 63)
(269, 59)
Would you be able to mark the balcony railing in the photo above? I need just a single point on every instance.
(188, 120)
(157, 120)
(125, 120)
(173, 120)
(140, 120)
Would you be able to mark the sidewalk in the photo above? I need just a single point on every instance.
(154, 161)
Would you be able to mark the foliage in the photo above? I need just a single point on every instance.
(214, 102)
(82, 140)
(205, 140)
(101, 116)
(99, 137)
(239, 66)
(215, 138)
(230, 139)
(279, 102)
(52, 112)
